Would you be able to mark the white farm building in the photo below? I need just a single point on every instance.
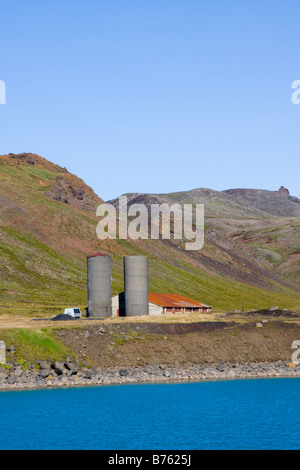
(162, 304)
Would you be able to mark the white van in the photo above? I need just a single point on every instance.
(74, 312)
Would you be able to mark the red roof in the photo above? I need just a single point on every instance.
(174, 300)
(96, 254)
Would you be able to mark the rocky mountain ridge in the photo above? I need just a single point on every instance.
(251, 254)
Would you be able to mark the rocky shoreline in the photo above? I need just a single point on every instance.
(46, 374)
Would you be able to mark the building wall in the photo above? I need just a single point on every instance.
(115, 305)
(153, 308)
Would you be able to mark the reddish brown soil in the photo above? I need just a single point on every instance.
(131, 344)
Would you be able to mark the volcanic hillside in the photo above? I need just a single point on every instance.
(250, 259)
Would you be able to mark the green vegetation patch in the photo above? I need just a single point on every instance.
(32, 345)
(270, 255)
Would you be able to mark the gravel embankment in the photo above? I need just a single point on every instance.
(68, 374)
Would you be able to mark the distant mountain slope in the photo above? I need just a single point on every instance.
(252, 235)
(251, 256)
(245, 203)
(275, 203)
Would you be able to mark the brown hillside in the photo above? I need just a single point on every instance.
(48, 227)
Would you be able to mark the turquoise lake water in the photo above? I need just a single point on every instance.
(233, 414)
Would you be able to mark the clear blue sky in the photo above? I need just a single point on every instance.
(154, 96)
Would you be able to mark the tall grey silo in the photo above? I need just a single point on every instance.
(99, 285)
(136, 285)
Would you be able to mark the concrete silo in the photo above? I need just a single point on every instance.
(136, 285)
(99, 285)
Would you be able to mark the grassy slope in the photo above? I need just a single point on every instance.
(33, 345)
(222, 293)
(42, 259)
(44, 244)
